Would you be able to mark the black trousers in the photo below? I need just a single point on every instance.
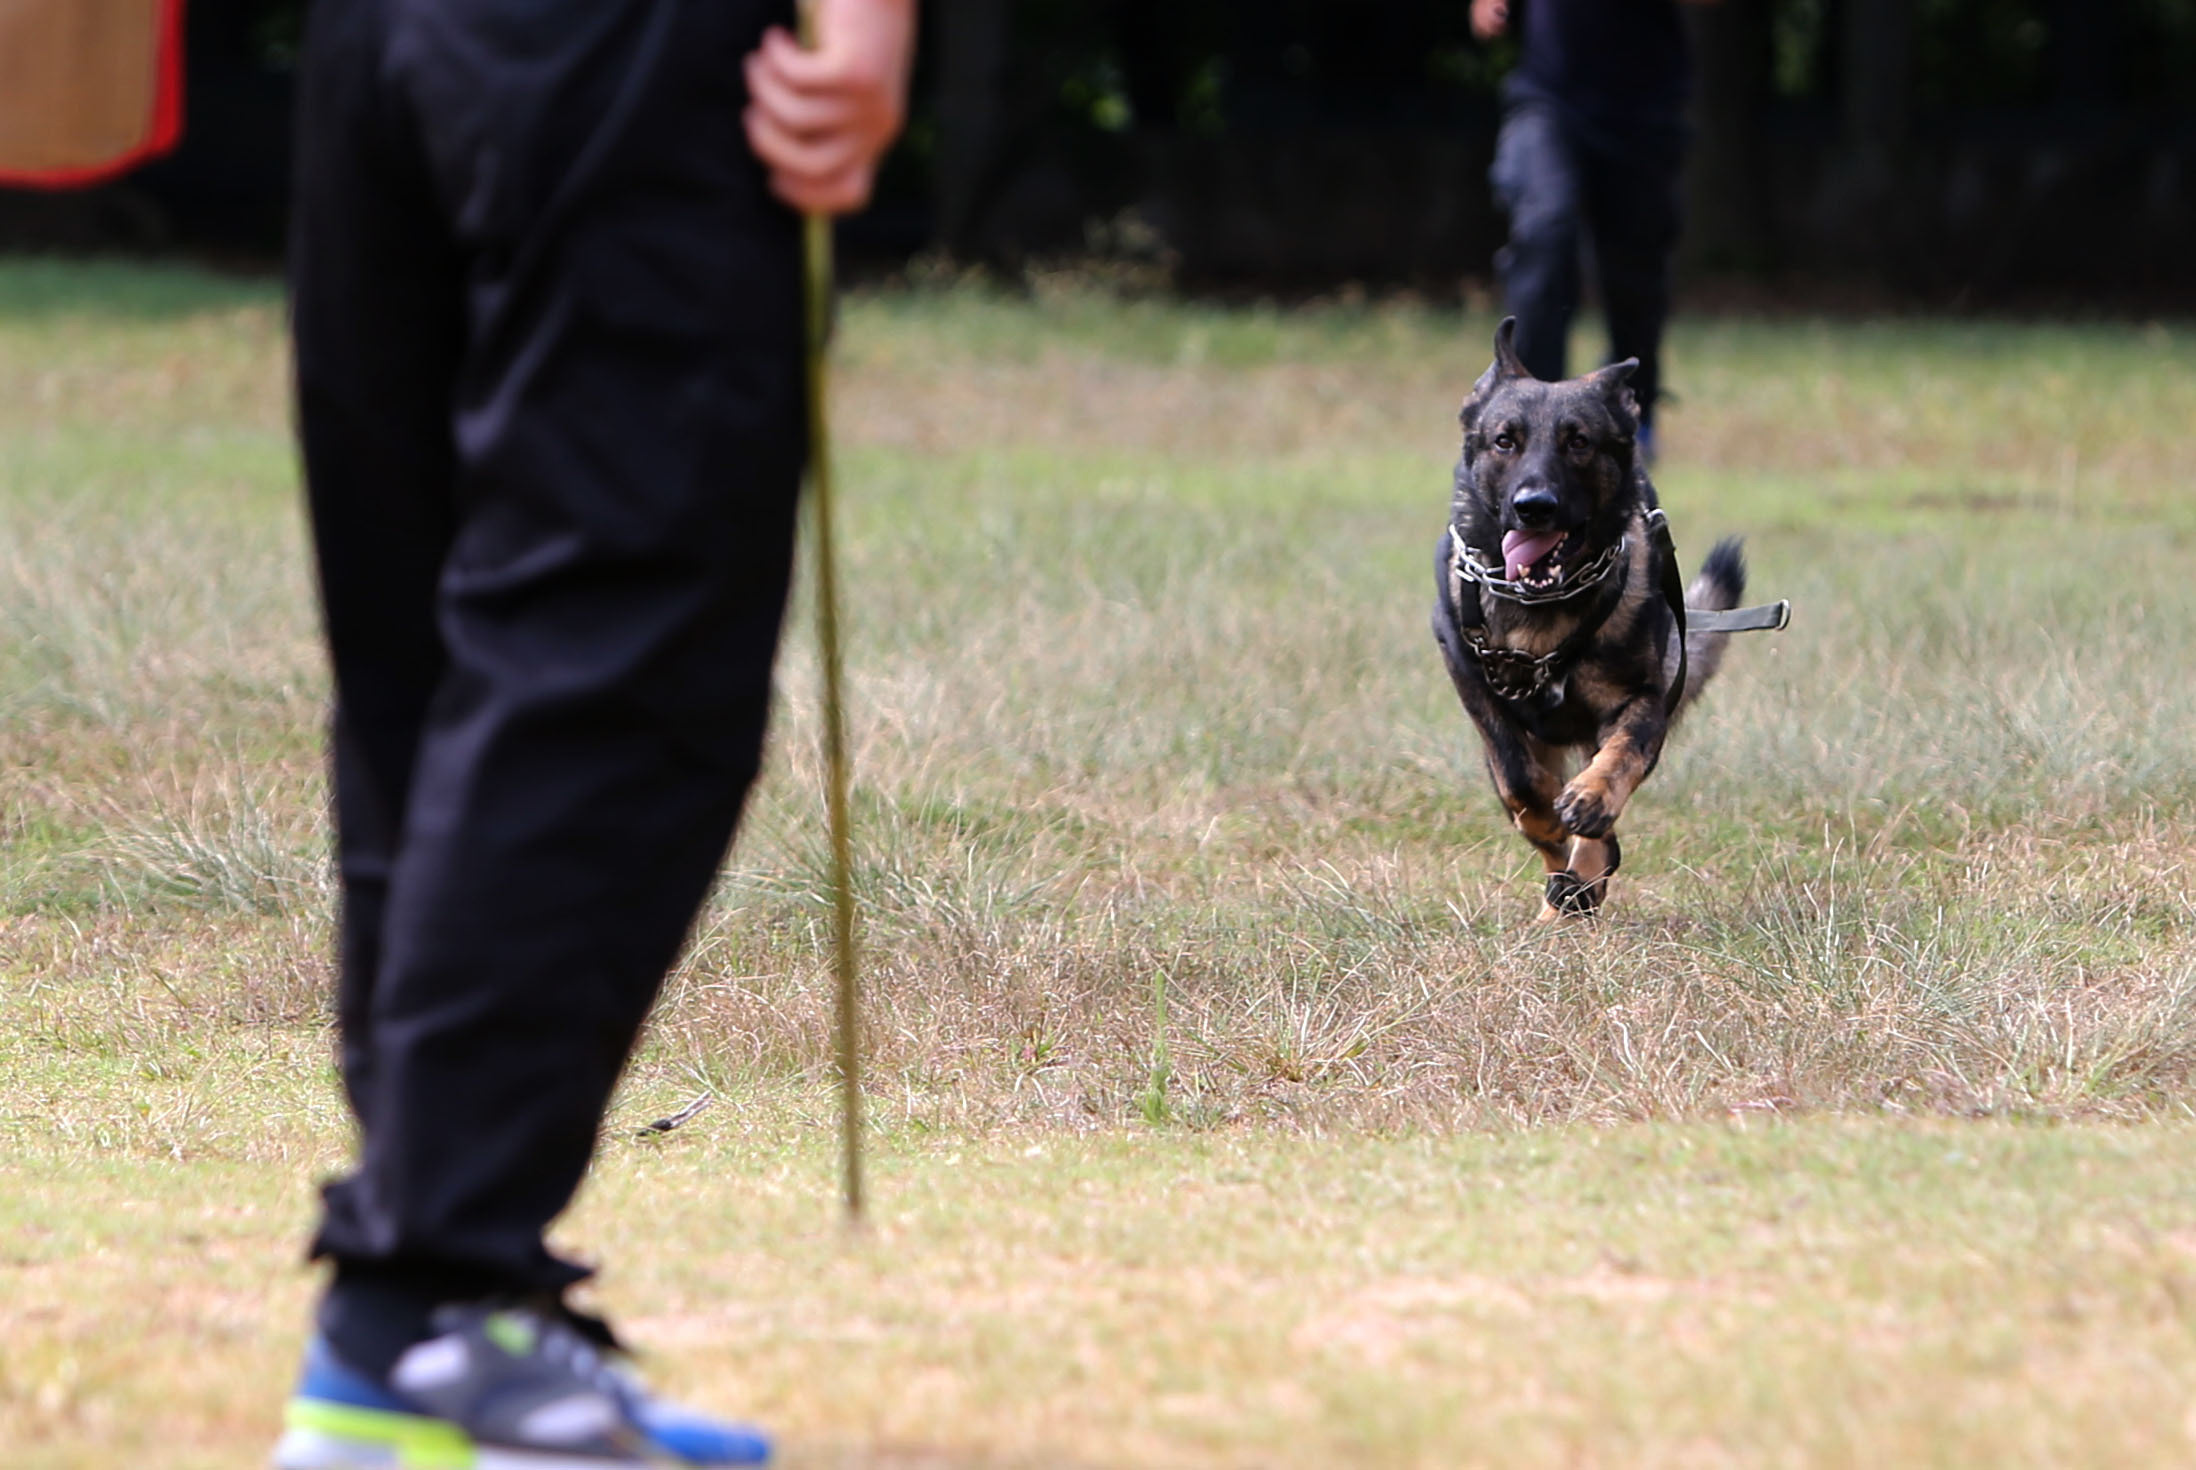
(548, 340)
(1565, 183)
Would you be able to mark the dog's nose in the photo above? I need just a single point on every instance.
(1534, 506)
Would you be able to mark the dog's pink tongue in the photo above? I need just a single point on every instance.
(1520, 549)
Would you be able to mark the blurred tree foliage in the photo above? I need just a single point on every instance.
(1211, 65)
(1207, 65)
(1071, 85)
(1053, 105)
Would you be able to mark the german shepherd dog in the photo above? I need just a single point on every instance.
(1558, 610)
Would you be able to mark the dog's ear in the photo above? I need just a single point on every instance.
(1614, 383)
(1507, 362)
(1505, 367)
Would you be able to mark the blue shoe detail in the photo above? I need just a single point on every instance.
(700, 1441)
(340, 1417)
(330, 1380)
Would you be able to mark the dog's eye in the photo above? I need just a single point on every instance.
(1504, 442)
(1580, 447)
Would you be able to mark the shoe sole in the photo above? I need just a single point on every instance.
(306, 1448)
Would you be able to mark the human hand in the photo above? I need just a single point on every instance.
(1490, 18)
(821, 119)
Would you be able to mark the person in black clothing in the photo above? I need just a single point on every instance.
(1593, 137)
(546, 298)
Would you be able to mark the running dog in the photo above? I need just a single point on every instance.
(1559, 613)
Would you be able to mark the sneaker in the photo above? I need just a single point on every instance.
(496, 1389)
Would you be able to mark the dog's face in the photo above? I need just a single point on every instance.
(1548, 467)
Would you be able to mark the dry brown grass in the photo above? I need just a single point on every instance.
(1144, 705)
(1828, 1293)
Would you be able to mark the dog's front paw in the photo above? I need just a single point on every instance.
(1584, 808)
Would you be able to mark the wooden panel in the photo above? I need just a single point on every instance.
(80, 84)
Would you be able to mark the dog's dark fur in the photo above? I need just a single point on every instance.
(1570, 451)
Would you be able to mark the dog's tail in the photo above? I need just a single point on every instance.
(1721, 585)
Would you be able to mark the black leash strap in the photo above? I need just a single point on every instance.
(1769, 617)
(1673, 592)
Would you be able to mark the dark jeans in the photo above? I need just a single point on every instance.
(548, 339)
(1566, 184)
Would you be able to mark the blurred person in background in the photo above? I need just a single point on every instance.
(1593, 139)
(546, 299)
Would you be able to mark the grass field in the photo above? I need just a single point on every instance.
(1226, 1110)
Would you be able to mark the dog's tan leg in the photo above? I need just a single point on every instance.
(1631, 743)
(1546, 834)
(1527, 784)
(1594, 861)
(1590, 858)
(1576, 891)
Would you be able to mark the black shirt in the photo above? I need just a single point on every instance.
(1611, 59)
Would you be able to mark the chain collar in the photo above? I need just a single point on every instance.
(1512, 673)
(1465, 567)
(1515, 674)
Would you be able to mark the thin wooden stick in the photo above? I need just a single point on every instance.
(817, 287)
